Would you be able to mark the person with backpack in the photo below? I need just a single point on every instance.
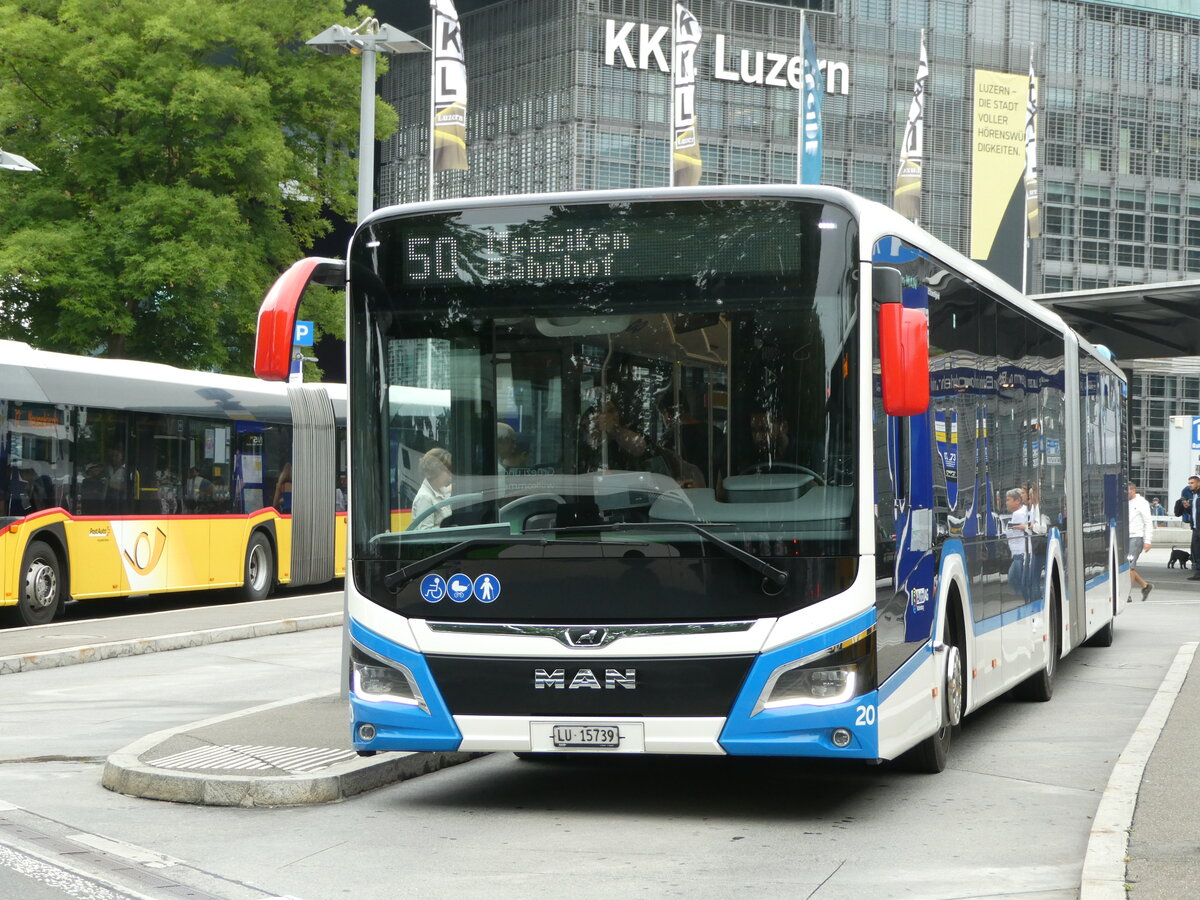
(1183, 509)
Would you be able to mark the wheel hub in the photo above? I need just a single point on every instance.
(954, 686)
(41, 586)
(257, 568)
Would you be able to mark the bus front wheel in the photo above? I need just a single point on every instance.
(258, 576)
(930, 756)
(41, 586)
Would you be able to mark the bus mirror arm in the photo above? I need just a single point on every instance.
(277, 315)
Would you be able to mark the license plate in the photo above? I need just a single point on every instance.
(586, 736)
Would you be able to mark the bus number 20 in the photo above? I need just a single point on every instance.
(866, 715)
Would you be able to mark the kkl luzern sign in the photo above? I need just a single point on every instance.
(767, 68)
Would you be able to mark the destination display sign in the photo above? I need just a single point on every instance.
(728, 238)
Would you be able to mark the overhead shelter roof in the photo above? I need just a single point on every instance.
(1144, 321)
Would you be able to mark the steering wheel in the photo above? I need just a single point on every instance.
(766, 468)
(456, 500)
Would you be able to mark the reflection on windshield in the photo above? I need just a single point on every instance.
(521, 410)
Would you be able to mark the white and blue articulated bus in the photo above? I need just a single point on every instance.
(730, 470)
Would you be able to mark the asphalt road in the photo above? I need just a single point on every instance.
(1010, 816)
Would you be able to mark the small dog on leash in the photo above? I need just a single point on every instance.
(1179, 556)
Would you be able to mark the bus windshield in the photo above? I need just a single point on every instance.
(594, 375)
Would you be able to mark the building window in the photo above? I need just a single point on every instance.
(1131, 255)
(1093, 251)
(1131, 226)
(1095, 223)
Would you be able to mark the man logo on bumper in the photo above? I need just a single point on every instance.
(585, 678)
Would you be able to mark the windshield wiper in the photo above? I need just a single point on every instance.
(405, 574)
(761, 566)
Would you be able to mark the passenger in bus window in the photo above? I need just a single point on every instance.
(283, 490)
(508, 454)
(41, 489)
(197, 491)
(339, 495)
(606, 444)
(18, 493)
(92, 490)
(438, 477)
(689, 437)
(772, 441)
(116, 482)
(168, 491)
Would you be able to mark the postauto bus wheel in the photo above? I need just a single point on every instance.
(258, 574)
(41, 585)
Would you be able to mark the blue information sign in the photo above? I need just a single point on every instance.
(304, 334)
(433, 588)
(487, 588)
(459, 588)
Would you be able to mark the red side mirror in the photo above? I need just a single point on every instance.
(904, 359)
(277, 315)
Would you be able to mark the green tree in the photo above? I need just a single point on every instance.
(190, 151)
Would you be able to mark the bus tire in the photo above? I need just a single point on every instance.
(41, 586)
(930, 756)
(1103, 637)
(1039, 687)
(258, 571)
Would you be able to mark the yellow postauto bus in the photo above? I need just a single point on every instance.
(123, 478)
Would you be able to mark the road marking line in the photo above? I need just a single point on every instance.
(1104, 863)
(131, 852)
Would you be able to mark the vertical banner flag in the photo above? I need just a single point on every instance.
(810, 154)
(685, 154)
(907, 198)
(1033, 226)
(449, 124)
(997, 166)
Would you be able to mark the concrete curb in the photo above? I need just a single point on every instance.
(1104, 863)
(93, 652)
(125, 773)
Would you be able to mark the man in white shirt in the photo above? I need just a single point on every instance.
(1018, 533)
(1141, 531)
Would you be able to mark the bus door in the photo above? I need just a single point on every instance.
(94, 536)
(144, 535)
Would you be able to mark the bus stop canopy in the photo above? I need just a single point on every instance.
(1147, 321)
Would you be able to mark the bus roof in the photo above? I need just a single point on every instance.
(39, 376)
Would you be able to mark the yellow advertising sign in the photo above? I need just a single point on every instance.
(997, 153)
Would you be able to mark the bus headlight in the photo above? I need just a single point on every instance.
(372, 678)
(832, 676)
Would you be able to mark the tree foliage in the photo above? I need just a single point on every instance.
(190, 150)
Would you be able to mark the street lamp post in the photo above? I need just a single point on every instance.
(369, 38)
(16, 163)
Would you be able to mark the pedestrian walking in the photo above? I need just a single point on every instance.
(1141, 533)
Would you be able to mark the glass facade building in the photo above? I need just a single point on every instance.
(574, 94)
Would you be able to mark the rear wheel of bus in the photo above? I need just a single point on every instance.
(41, 586)
(258, 574)
(1039, 687)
